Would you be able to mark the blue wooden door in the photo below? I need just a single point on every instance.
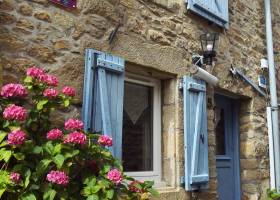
(227, 148)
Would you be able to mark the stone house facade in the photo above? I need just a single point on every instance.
(157, 39)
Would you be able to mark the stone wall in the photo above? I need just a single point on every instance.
(276, 41)
(159, 35)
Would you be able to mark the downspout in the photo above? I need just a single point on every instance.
(273, 94)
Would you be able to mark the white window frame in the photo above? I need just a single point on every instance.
(155, 174)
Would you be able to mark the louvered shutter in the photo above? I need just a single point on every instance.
(103, 96)
(214, 10)
(195, 134)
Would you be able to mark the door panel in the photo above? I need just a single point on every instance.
(227, 148)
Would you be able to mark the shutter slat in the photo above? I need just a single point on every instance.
(213, 10)
(97, 120)
(197, 128)
(103, 96)
(195, 134)
(88, 91)
(104, 102)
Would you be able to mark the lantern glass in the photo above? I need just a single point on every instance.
(208, 45)
(208, 41)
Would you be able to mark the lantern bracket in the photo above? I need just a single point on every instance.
(238, 72)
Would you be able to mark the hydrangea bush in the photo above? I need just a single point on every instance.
(39, 161)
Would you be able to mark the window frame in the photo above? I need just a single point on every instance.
(155, 174)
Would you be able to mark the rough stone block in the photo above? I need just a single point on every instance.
(7, 5)
(43, 53)
(157, 37)
(10, 41)
(25, 9)
(6, 18)
(43, 15)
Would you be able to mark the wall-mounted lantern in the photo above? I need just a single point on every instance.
(208, 45)
(208, 49)
(205, 59)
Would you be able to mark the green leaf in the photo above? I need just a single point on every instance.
(49, 194)
(153, 192)
(42, 166)
(129, 178)
(66, 102)
(4, 177)
(93, 197)
(110, 194)
(28, 79)
(5, 155)
(34, 187)
(118, 164)
(4, 143)
(2, 190)
(106, 168)
(27, 175)
(59, 160)
(28, 197)
(149, 183)
(37, 150)
(19, 156)
(106, 153)
(6, 124)
(95, 189)
(90, 181)
(2, 135)
(104, 183)
(71, 154)
(57, 149)
(86, 191)
(49, 148)
(41, 103)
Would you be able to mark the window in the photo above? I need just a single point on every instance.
(141, 141)
(128, 109)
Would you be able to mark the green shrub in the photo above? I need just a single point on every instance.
(39, 161)
(272, 195)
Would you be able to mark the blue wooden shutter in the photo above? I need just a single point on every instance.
(214, 10)
(103, 96)
(195, 134)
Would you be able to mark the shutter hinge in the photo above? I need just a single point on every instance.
(182, 181)
(110, 65)
(196, 87)
(181, 84)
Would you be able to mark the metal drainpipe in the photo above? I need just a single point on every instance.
(273, 93)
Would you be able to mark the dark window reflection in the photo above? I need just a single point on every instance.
(220, 132)
(137, 149)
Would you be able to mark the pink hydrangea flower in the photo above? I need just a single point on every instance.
(115, 176)
(50, 93)
(73, 124)
(54, 134)
(105, 140)
(13, 90)
(132, 186)
(35, 72)
(76, 138)
(16, 137)
(50, 80)
(69, 91)
(13, 112)
(58, 177)
(15, 177)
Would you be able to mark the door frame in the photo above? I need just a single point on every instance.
(235, 105)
